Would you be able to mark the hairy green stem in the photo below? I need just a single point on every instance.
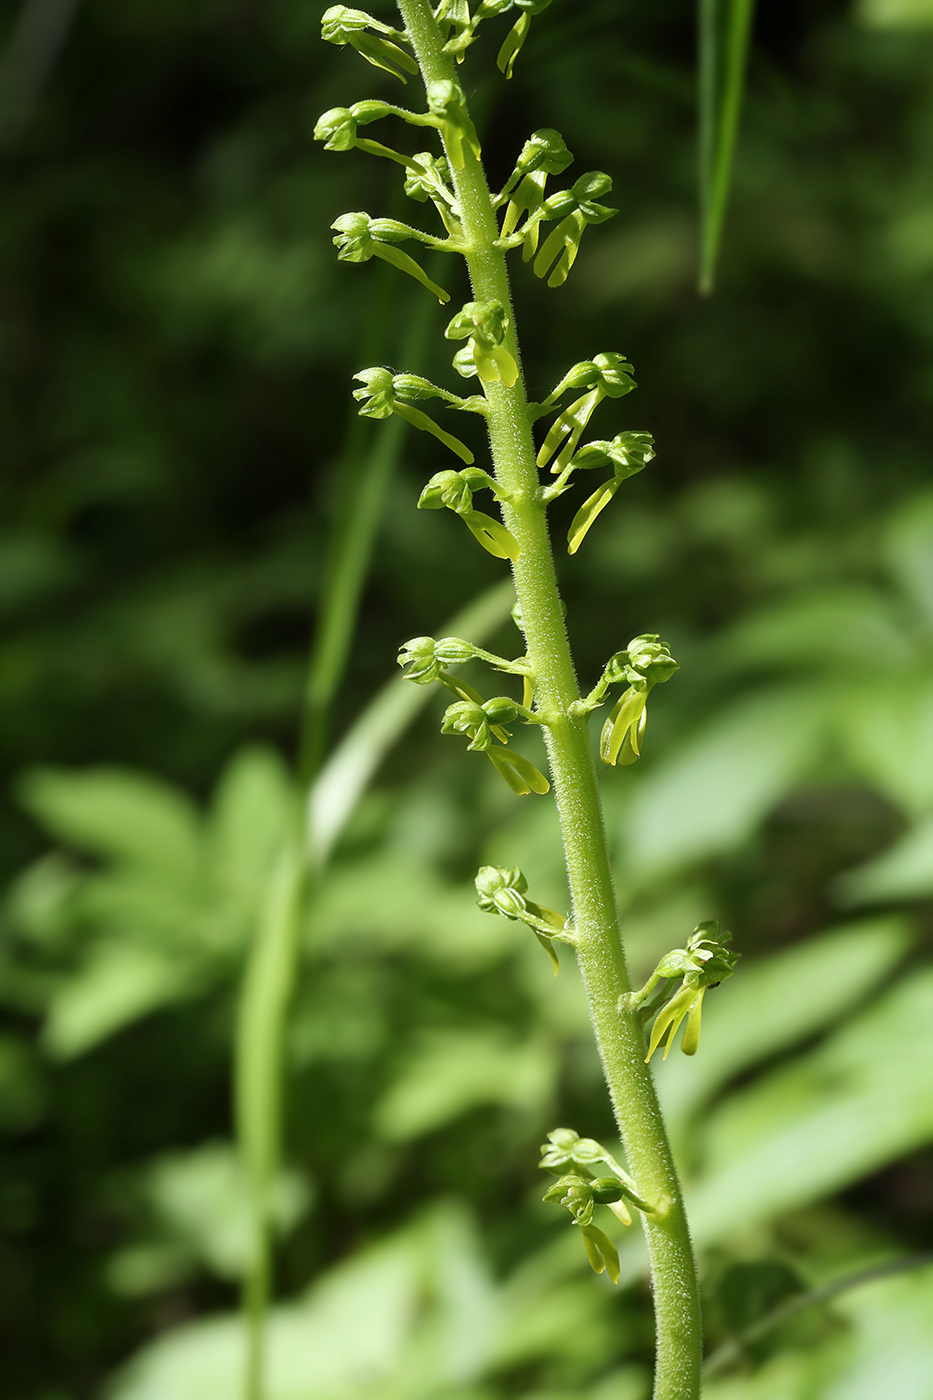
(599, 945)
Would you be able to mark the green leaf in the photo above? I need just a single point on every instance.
(452, 1072)
(832, 1117)
(117, 984)
(201, 1201)
(887, 732)
(710, 795)
(725, 26)
(120, 814)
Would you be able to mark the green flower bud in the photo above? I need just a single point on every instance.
(354, 241)
(501, 891)
(588, 1151)
(420, 660)
(491, 9)
(339, 22)
(337, 129)
(501, 710)
(411, 387)
(447, 104)
(371, 110)
(341, 25)
(544, 150)
(651, 658)
(674, 964)
(378, 393)
(446, 489)
(627, 453)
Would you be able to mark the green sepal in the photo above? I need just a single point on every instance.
(601, 1252)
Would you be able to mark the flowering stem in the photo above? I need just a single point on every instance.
(598, 941)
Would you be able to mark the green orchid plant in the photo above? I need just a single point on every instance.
(485, 228)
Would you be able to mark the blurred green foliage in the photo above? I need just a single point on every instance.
(176, 345)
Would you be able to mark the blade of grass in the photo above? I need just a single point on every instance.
(724, 30)
(267, 985)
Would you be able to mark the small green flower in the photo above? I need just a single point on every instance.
(703, 963)
(543, 154)
(454, 491)
(484, 324)
(341, 25)
(479, 723)
(606, 376)
(502, 891)
(578, 205)
(627, 453)
(647, 663)
(384, 393)
(360, 237)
